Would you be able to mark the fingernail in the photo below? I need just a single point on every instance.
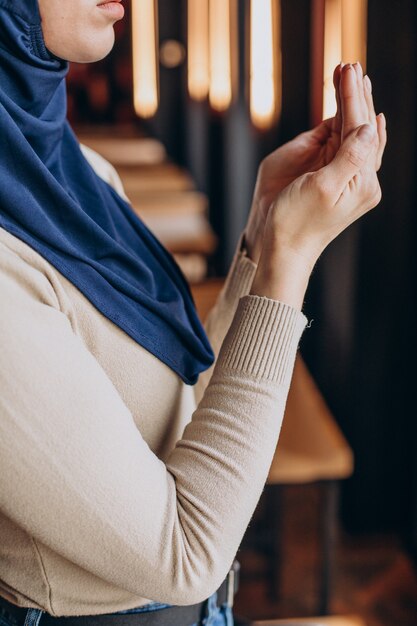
(349, 72)
(368, 84)
(383, 118)
(366, 133)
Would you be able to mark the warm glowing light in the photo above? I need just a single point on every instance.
(345, 25)
(354, 27)
(332, 52)
(145, 64)
(171, 53)
(198, 48)
(265, 62)
(220, 91)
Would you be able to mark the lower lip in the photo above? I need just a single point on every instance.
(113, 9)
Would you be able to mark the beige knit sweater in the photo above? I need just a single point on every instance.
(118, 482)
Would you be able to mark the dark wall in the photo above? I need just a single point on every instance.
(383, 375)
(362, 342)
(169, 124)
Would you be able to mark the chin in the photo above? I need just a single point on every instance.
(95, 52)
(105, 48)
(98, 48)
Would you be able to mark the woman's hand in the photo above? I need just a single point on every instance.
(312, 150)
(309, 213)
(312, 210)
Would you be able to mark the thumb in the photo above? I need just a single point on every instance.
(352, 155)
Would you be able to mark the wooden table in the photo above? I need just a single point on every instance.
(314, 621)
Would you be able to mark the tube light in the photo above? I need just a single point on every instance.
(345, 26)
(332, 53)
(145, 62)
(265, 62)
(354, 27)
(198, 48)
(220, 90)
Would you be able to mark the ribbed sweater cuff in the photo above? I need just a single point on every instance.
(240, 277)
(263, 339)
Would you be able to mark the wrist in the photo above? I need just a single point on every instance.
(253, 238)
(251, 250)
(283, 276)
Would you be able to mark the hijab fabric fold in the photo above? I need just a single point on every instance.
(51, 198)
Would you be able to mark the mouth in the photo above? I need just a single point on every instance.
(113, 8)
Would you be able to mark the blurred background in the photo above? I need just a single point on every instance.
(193, 96)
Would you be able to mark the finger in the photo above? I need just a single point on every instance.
(337, 120)
(364, 189)
(322, 132)
(372, 117)
(351, 158)
(382, 135)
(368, 187)
(352, 113)
(361, 92)
(369, 99)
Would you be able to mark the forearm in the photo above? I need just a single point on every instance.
(164, 532)
(221, 463)
(236, 285)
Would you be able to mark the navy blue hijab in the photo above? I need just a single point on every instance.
(52, 199)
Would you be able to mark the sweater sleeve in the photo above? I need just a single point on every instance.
(79, 478)
(237, 284)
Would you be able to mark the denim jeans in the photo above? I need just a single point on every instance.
(214, 615)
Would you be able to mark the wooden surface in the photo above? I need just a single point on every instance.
(205, 295)
(311, 446)
(125, 151)
(314, 621)
(158, 177)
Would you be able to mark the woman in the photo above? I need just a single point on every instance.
(130, 467)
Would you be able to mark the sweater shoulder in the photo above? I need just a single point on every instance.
(25, 274)
(28, 279)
